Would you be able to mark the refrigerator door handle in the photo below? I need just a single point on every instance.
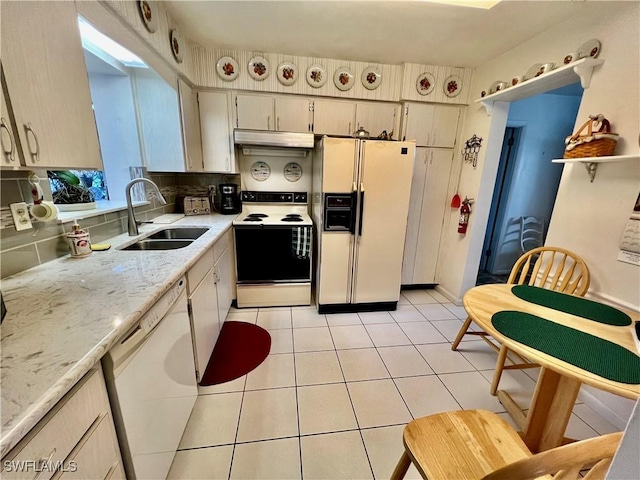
(361, 209)
(354, 199)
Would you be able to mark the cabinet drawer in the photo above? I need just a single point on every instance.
(96, 456)
(51, 441)
(199, 270)
(221, 245)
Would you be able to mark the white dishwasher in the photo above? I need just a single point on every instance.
(152, 386)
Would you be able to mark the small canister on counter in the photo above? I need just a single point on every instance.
(79, 241)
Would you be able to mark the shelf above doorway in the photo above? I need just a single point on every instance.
(591, 163)
(565, 75)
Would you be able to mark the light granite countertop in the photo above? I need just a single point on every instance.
(64, 315)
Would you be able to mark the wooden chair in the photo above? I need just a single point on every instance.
(552, 268)
(531, 233)
(477, 444)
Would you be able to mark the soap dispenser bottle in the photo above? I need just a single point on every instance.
(79, 241)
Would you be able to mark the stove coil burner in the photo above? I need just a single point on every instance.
(255, 217)
(292, 217)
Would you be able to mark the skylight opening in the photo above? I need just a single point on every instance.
(92, 39)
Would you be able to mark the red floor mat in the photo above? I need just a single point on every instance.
(240, 348)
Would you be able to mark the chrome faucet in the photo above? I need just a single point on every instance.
(132, 222)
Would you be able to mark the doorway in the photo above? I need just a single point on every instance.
(526, 181)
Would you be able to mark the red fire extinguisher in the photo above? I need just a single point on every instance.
(465, 210)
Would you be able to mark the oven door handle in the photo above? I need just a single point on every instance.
(361, 209)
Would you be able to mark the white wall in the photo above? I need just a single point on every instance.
(588, 217)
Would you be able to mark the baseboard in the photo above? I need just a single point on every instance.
(609, 413)
(357, 307)
(450, 296)
(609, 300)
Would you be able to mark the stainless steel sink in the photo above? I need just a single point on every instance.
(179, 233)
(151, 244)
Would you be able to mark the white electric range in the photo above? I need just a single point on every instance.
(274, 241)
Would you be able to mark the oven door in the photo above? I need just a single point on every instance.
(273, 254)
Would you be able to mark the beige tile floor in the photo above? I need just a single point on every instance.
(332, 398)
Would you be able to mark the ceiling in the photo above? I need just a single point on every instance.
(391, 32)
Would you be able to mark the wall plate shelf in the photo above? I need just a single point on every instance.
(591, 163)
(564, 75)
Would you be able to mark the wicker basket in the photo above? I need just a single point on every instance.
(597, 142)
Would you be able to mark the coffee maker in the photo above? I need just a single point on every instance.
(229, 198)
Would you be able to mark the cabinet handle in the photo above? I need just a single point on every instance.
(269, 122)
(278, 124)
(349, 132)
(226, 162)
(8, 153)
(189, 162)
(42, 462)
(35, 156)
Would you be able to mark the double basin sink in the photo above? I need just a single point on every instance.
(168, 239)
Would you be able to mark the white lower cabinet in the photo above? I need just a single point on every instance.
(427, 208)
(76, 439)
(210, 283)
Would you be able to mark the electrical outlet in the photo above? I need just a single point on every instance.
(20, 214)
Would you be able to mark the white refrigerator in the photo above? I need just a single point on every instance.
(361, 192)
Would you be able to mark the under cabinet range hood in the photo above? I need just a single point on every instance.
(261, 138)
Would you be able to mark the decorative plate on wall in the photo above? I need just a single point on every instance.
(343, 79)
(287, 73)
(177, 45)
(292, 171)
(259, 68)
(371, 78)
(425, 83)
(590, 48)
(452, 85)
(227, 69)
(148, 15)
(316, 76)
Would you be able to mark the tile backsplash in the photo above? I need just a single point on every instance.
(46, 241)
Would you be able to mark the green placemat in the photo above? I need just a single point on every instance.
(578, 306)
(593, 354)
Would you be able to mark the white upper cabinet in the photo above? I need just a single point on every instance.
(9, 145)
(378, 117)
(255, 112)
(332, 117)
(216, 132)
(190, 127)
(431, 125)
(293, 114)
(47, 82)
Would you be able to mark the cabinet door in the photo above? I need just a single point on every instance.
(293, 114)
(216, 132)
(158, 110)
(445, 126)
(333, 118)
(205, 326)
(224, 284)
(47, 81)
(432, 212)
(414, 215)
(255, 112)
(431, 125)
(10, 155)
(190, 127)
(377, 117)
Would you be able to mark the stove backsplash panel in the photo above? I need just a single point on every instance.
(276, 181)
